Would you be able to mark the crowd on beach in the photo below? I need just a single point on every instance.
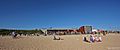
(91, 38)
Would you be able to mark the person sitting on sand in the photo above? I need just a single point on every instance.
(92, 38)
(100, 39)
(104, 33)
(57, 37)
(96, 38)
(85, 39)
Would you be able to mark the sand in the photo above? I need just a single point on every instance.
(70, 42)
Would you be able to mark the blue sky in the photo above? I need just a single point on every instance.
(29, 14)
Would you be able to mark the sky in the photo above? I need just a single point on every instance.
(30, 14)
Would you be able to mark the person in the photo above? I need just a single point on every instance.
(100, 39)
(55, 37)
(20, 34)
(92, 38)
(96, 38)
(45, 33)
(85, 39)
(104, 33)
(14, 34)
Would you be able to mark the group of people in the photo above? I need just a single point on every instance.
(93, 38)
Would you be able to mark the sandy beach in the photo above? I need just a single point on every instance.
(69, 42)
